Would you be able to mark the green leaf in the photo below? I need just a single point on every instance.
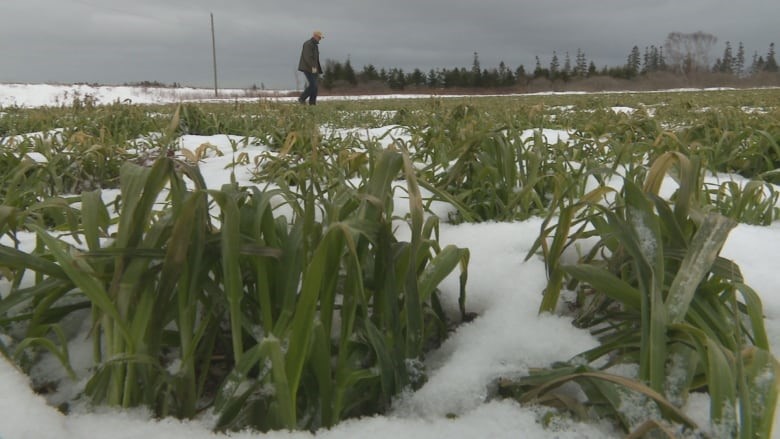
(320, 274)
(755, 312)
(79, 272)
(607, 283)
(702, 252)
(438, 269)
(762, 373)
(230, 243)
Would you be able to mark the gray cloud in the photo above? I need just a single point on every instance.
(117, 41)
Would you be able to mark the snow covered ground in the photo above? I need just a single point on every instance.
(508, 336)
(40, 95)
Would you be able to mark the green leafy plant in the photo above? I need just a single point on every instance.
(185, 312)
(657, 294)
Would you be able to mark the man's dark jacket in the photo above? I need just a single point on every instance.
(310, 57)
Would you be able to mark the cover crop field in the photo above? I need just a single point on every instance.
(578, 265)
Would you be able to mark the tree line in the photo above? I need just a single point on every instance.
(684, 54)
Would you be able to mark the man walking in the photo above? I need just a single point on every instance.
(310, 66)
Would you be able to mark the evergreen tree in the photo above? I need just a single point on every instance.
(505, 76)
(338, 70)
(538, 70)
(555, 67)
(592, 71)
(452, 78)
(349, 73)
(502, 69)
(489, 78)
(770, 65)
(521, 77)
(369, 73)
(727, 61)
(417, 78)
(566, 67)
(717, 66)
(652, 60)
(476, 73)
(633, 63)
(739, 61)
(661, 59)
(433, 79)
(329, 74)
(396, 79)
(581, 64)
(757, 65)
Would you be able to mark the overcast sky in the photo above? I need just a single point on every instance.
(258, 41)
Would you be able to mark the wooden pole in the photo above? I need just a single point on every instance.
(214, 55)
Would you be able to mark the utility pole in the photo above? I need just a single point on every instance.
(214, 55)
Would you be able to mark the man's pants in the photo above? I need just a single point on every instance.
(310, 92)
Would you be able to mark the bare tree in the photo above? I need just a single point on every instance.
(689, 53)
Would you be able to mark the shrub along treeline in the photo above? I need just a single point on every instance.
(673, 65)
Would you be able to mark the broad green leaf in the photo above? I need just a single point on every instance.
(321, 273)
(231, 268)
(762, 374)
(702, 252)
(607, 283)
(755, 312)
(81, 275)
(630, 384)
(94, 217)
(439, 268)
(11, 257)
